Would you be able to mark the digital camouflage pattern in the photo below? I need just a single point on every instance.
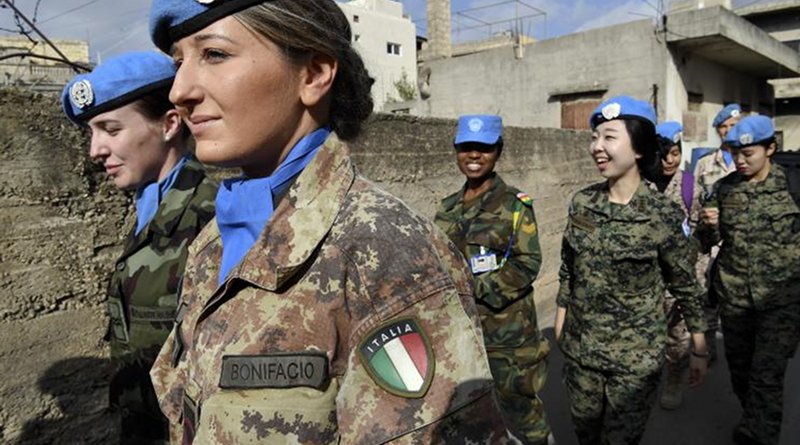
(516, 347)
(338, 259)
(143, 296)
(617, 262)
(758, 282)
(678, 336)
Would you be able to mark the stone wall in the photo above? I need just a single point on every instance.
(61, 226)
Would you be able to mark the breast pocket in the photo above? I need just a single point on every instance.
(250, 416)
(635, 268)
(785, 221)
(491, 234)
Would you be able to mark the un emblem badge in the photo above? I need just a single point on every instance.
(81, 93)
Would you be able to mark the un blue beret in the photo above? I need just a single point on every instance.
(751, 130)
(731, 110)
(483, 128)
(172, 20)
(622, 107)
(116, 82)
(670, 130)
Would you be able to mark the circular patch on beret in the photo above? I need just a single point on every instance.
(81, 94)
(475, 125)
(746, 138)
(611, 111)
(734, 113)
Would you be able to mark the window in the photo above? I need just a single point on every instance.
(393, 48)
(355, 19)
(577, 107)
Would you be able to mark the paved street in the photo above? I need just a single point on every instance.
(707, 417)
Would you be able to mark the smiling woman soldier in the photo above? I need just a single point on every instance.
(138, 137)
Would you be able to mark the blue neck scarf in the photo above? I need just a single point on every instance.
(728, 157)
(245, 205)
(148, 198)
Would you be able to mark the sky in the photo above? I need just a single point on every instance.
(115, 26)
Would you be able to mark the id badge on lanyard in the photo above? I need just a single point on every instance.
(483, 262)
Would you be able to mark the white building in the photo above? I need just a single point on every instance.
(386, 40)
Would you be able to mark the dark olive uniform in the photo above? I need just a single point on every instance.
(501, 222)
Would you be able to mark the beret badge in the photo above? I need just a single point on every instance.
(677, 137)
(734, 113)
(746, 139)
(205, 2)
(475, 125)
(81, 93)
(611, 111)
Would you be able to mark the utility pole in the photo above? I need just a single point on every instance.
(44, 37)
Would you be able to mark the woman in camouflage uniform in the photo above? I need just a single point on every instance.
(316, 308)
(753, 212)
(494, 227)
(138, 137)
(623, 247)
(677, 186)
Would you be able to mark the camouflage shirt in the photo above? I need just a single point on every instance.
(340, 274)
(144, 285)
(709, 169)
(617, 261)
(505, 295)
(759, 261)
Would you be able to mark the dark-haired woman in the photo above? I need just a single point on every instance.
(316, 308)
(622, 248)
(138, 137)
(757, 218)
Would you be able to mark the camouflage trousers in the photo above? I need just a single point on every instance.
(519, 374)
(758, 346)
(131, 394)
(609, 408)
(678, 336)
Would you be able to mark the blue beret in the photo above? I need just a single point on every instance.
(669, 130)
(730, 110)
(172, 20)
(116, 82)
(751, 130)
(622, 107)
(483, 128)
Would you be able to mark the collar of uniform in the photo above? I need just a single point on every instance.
(312, 204)
(635, 210)
(719, 159)
(177, 198)
(172, 207)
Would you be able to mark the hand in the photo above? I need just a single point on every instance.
(698, 368)
(709, 216)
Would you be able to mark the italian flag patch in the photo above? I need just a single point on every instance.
(399, 358)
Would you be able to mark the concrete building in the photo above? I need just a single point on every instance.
(782, 21)
(689, 66)
(35, 65)
(387, 40)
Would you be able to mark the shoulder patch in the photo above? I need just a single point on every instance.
(522, 196)
(399, 358)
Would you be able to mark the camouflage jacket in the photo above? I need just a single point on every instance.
(616, 262)
(351, 320)
(709, 169)
(504, 296)
(759, 261)
(143, 288)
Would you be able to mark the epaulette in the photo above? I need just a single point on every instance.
(522, 196)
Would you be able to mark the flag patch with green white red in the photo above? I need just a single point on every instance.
(399, 358)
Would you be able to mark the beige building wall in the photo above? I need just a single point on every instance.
(386, 40)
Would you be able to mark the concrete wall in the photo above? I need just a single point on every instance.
(379, 23)
(627, 58)
(61, 224)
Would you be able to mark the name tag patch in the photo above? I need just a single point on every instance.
(274, 371)
(582, 222)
